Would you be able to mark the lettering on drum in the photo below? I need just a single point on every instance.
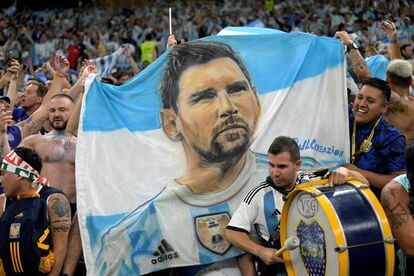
(307, 205)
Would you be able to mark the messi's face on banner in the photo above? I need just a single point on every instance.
(217, 110)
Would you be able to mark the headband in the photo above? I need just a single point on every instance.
(14, 164)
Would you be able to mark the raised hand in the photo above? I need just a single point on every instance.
(13, 70)
(46, 67)
(88, 68)
(127, 52)
(344, 37)
(5, 118)
(171, 41)
(7, 77)
(61, 65)
(390, 30)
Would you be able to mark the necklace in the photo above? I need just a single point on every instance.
(366, 143)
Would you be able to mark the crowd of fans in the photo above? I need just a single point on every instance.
(49, 50)
(97, 30)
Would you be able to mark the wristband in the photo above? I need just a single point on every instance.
(351, 46)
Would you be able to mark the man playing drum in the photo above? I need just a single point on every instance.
(261, 207)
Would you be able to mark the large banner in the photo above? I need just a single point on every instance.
(164, 160)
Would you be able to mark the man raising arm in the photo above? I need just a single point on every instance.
(34, 123)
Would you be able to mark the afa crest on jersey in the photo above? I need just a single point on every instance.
(210, 232)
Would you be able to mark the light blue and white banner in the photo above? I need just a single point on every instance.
(105, 64)
(256, 23)
(135, 216)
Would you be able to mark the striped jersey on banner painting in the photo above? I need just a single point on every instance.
(146, 200)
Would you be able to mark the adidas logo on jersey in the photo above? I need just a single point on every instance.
(19, 215)
(165, 252)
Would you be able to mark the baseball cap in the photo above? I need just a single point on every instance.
(5, 98)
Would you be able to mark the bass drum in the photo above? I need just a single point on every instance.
(342, 230)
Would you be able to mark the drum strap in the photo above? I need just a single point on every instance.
(365, 145)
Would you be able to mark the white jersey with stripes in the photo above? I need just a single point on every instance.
(260, 211)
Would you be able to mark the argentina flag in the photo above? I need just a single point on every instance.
(106, 63)
(164, 160)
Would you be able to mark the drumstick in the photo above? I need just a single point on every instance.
(169, 16)
(290, 244)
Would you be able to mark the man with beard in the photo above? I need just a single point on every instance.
(16, 133)
(209, 105)
(57, 148)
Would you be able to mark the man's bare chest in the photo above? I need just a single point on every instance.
(57, 150)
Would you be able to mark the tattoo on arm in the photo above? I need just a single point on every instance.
(396, 213)
(35, 126)
(32, 126)
(359, 66)
(61, 207)
(61, 228)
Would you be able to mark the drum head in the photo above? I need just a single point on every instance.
(308, 221)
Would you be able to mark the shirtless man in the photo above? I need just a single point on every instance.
(57, 151)
(57, 148)
(401, 112)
